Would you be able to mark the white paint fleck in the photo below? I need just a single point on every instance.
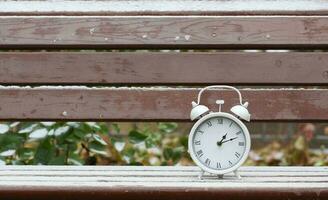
(105, 39)
(144, 36)
(92, 30)
(268, 36)
(64, 113)
(187, 37)
(177, 37)
(213, 34)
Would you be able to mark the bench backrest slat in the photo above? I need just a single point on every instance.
(225, 32)
(173, 68)
(154, 104)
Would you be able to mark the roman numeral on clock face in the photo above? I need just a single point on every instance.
(220, 121)
(209, 123)
(237, 154)
(238, 133)
(218, 165)
(197, 142)
(230, 163)
(207, 162)
(200, 153)
(241, 143)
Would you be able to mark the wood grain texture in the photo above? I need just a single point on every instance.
(164, 32)
(129, 182)
(137, 104)
(164, 7)
(236, 68)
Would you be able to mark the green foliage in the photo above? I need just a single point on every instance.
(88, 143)
(51, 143)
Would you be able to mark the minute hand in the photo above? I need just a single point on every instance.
(228, 140)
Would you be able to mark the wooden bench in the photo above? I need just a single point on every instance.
(104, 29)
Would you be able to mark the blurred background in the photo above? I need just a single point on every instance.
(100, 143)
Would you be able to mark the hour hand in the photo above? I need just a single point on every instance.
(220, 142)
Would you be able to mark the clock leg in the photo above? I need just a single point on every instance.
(220, 176)
(237, 174)
(200, 176)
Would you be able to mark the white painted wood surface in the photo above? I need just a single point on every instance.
(159, 177)
(151, 6)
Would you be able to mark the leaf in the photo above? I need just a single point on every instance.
(98, 148)
(73, 124)
(7, 153)
(45, 152)
(28, 129)
(93, 125)
(39, 133)
(61, 130)
(98, 152)
(99, 139)
(136, 137)
(48, 123)
(103, 128)
(119, 146)
(10, 141)
(74, 159)
(51, 132)
(14, 124)
(4, 128)
(79, 133)
(60, 160)
(25, 153)
(167, 127)
(116, 128)
(173, 154)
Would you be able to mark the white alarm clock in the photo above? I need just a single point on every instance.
(219, 142)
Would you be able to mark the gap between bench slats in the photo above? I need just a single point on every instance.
(154, 104)
(290, 68)
(164, 31)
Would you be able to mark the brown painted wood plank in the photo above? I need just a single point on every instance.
(289, 68)
(164, 7)
(184, 185)
(135, 104)
(164, 32)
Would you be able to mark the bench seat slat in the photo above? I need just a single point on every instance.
(302, 68)
(153, 104)
(164, 32)
(155, 169)
(150, 173)
(268, 184)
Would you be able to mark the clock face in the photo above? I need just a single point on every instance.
(219, 143)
